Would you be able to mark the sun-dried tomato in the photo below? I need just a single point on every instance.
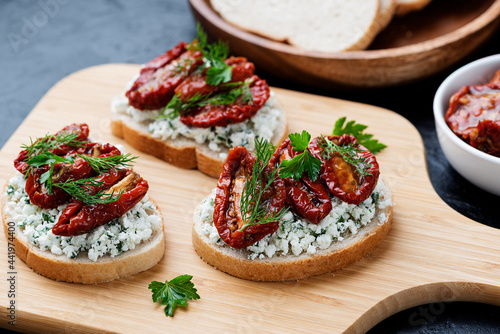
(309, 199)
(196, 83)
(341, 177)
(227, 211)
(159, 77)
(474, 115)
(79, 218)
(221, 115)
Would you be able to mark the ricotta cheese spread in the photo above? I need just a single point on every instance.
(296, 236)
(219, 138)
(118, 236)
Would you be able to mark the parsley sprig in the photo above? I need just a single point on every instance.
(356, 129)
(174, 293)
(253, 210)
(349, 154)
(214, 55)
(304, 161)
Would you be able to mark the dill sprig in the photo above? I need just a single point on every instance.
(52, 142)
(101, 165)
(83, 189)
(177, 107)
(349, 153)
(253, 210)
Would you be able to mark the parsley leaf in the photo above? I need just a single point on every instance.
(214, 54)
(356, 129)
(299, 141)
(303, 162)
(173, 293)
(218, 72)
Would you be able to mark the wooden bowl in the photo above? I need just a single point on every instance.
(412, 47)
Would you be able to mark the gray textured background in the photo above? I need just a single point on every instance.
(43, 41)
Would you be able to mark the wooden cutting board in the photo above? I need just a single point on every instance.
(432, 253)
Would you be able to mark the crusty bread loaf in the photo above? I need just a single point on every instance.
(81, 269)
(290, 267)
(404, 7)
(319, 25)
(181, 152)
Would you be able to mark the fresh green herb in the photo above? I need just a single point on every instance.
(47, 158)
(82, 190)
(10, 190)
(47, 218)
(253, 210)
(349, 154)
(177, 106)
(355, 129)
(101, 165)
(51, 142)
(218, 71)
(173, 293)
(304, 161)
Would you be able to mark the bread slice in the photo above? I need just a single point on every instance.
(290, 267)
(386, 13)
(181, 152)
(318, 25)
(81, 269)
(404, 7)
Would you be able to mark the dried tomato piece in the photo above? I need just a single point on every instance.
(487, 137)
(38, 193)
(159, 77)
(341, 177)
(79, 219)
(196, 83)
(309, 199)
(221, 115)
(227, 211)
(82, 131)
(474, 115)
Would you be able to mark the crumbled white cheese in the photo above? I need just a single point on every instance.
(296, 235)
(219, 138)
(120, 235)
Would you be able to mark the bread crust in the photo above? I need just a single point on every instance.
(82, 269)
(404, 7)
(183, 153)
(284, 268)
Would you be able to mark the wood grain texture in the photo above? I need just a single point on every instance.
(412, 47)
(431, 254)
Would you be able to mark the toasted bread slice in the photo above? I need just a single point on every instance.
(181, 152)
(339, 254)
(82, 269)
(319, 25)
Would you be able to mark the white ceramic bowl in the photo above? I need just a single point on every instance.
(478, 167)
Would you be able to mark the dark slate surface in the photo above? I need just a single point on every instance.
(43, 41)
